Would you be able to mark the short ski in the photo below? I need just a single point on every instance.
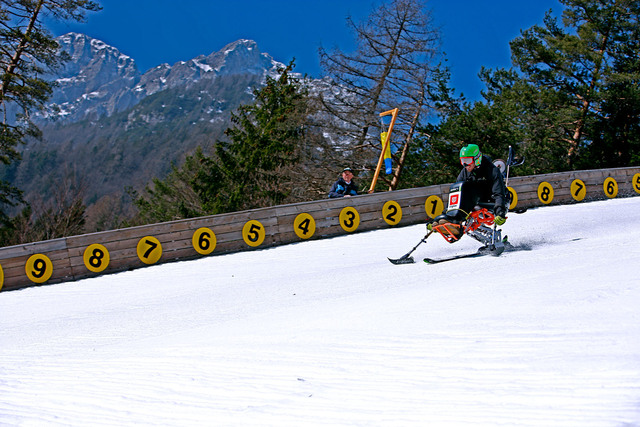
(471, 255)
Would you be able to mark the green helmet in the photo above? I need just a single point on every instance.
(470, 152)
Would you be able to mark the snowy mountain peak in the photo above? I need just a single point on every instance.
(99, 80)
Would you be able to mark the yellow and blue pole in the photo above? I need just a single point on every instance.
(387, 118)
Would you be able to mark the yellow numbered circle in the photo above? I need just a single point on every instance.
(545, 192)
(636, 182)
(253, 233)
(1, 277)
(578, 190)
(433, 206)
(610, 187)
(304, 226)
(204, 241)
(392, 212)
(513, 197)
(38, 268)
(96, 257)
(149, 250)
(349, 219)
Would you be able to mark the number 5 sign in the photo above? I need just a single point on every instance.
(253, 233)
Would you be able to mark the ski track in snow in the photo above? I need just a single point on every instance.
(328, 332)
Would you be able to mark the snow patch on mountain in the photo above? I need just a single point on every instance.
(99, 80)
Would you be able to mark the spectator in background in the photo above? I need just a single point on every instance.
(344, 187)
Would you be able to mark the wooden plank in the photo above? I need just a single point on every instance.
(29, 249)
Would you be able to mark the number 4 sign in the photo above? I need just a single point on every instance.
(304, 226)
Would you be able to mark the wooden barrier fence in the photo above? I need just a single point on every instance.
(89, 255)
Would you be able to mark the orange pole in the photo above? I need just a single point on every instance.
(394, 114)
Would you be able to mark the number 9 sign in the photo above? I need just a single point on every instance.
(38, 268)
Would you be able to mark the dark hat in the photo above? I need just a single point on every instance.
(347, 169)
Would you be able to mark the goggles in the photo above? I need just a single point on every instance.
(466, 161)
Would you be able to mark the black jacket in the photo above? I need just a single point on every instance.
(340, 188)
(489, 183)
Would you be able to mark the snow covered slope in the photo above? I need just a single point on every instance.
(328, 332)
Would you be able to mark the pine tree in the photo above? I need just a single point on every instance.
(27, 50)
(172, 198)
(250, 169)
(578, 69)
(261, 164)
(571, 101)
(396, 65)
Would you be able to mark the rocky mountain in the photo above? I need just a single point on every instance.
(99, 81)
(109, 126)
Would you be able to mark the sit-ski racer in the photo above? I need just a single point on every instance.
(480, 185)
(477, 205)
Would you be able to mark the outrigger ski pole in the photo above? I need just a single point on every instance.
(406, 258)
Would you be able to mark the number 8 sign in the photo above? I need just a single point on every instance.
(545, 192)
(96, 258)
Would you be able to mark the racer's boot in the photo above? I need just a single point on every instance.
(448, 227)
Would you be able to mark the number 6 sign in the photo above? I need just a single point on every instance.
(610, 187)
(204, 241)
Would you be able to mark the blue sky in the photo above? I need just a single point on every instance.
(474, 33)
